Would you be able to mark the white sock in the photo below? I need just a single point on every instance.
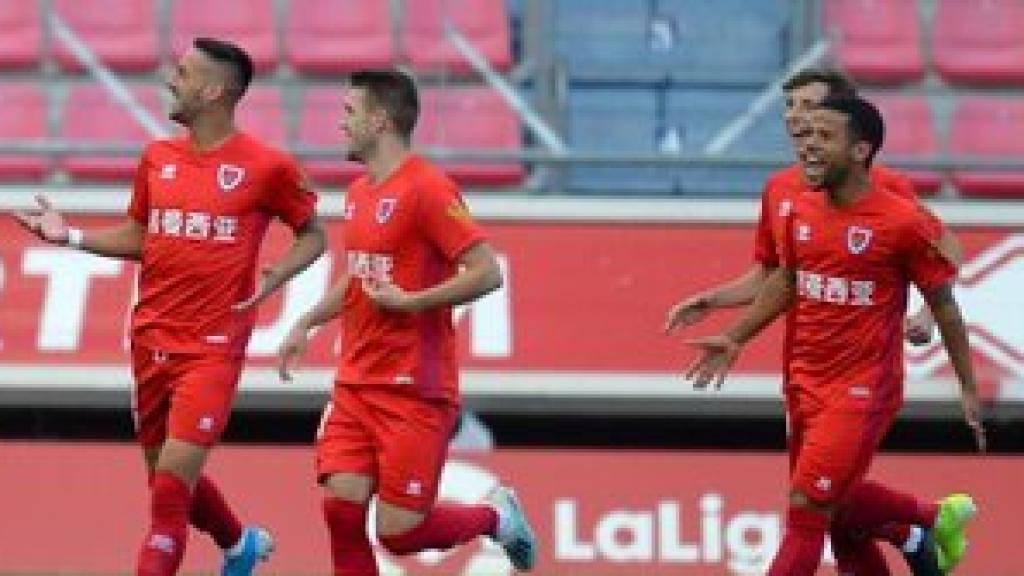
(914, 540)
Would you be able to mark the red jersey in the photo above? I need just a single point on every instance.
(205, 214)
(408, 230)
(853, 266)
(784, 186)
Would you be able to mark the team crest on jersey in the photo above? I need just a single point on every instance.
(857, 239)
(385, 208)
(229, 176)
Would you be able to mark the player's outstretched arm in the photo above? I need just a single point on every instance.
(308, 245)
(718, 353)
(297, 339)
(954, 337)
(123, 240)
(739, 291)
(479, 274)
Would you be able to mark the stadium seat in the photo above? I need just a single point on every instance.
(261, 114)
(979, 42)
(616, 121)
(22, 119)
(123, 34)
(603, 40)
(474, 119)
(910, 133)
(988, 128)
(734, 41)
(695, 116)
(876, 41)
(484, 24)
(337, 36)
(20, 34)
(319, 127)
(250, 23)
(90, 116)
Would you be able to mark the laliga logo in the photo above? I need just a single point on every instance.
(988, 291)
(464, 483)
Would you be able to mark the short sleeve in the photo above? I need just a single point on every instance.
(900, 185)
(926, 266)
(138, 208)
(765, 250)
(290, 196)
(445, 220)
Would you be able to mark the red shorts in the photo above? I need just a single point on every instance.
(830, 451)
(395, 437)
(182, 396)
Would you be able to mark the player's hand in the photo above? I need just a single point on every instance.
(919, 328)
(291, 351)
(718, 353)
(47, 224)
(972, 415)
(389, 296)
(687, 312)
(270, 280)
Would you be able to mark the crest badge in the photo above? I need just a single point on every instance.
(229, 176)
(858, 239)
(385, 208)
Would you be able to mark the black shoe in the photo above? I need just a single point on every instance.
(923, 561)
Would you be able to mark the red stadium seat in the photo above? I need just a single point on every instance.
(484, 23)
(980, 42)
(250, 23)
(22, 119)
(319, 128)
(993, 129)
(910, 132)
(91, 116)
(123, 34)
(261, 114)
(876, 40)
(337, 36)
(471, 119)
(20, 34)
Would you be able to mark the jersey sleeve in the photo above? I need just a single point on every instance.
(138, 207)
(445, 219)
(765, 250)
(926, 266)
(290, 196)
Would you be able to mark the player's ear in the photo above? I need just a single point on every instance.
(861, 150)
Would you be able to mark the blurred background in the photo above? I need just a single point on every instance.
(615, 150)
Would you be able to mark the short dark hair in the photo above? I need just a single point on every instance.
(839, 84)
(231, 55)
(863, 119)
(395, 92)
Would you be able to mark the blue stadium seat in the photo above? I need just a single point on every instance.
(726, 40)
(615, 120)
(733, 41)
(695, 116)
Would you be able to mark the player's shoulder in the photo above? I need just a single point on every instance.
(783, 182)
(894, 180)
(425, 176)
(263, 152)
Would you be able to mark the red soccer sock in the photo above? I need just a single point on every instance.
(857, 554)
(164, 546)
(800, 552)
(211, 514)
(350, 546)
(446, 525)
(870, 506)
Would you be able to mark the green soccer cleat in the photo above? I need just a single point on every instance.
(949, 531)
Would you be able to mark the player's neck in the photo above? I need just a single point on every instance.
(210, 132)
(853, 188)
(387, 158)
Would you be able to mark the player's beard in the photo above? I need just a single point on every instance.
(835, 176)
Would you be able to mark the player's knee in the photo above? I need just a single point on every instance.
(799, 499)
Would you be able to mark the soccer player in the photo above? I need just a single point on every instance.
(412, 251)
(850, 253)
(200, 206)
(803, 92)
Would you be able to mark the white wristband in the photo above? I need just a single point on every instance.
(75, 237)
